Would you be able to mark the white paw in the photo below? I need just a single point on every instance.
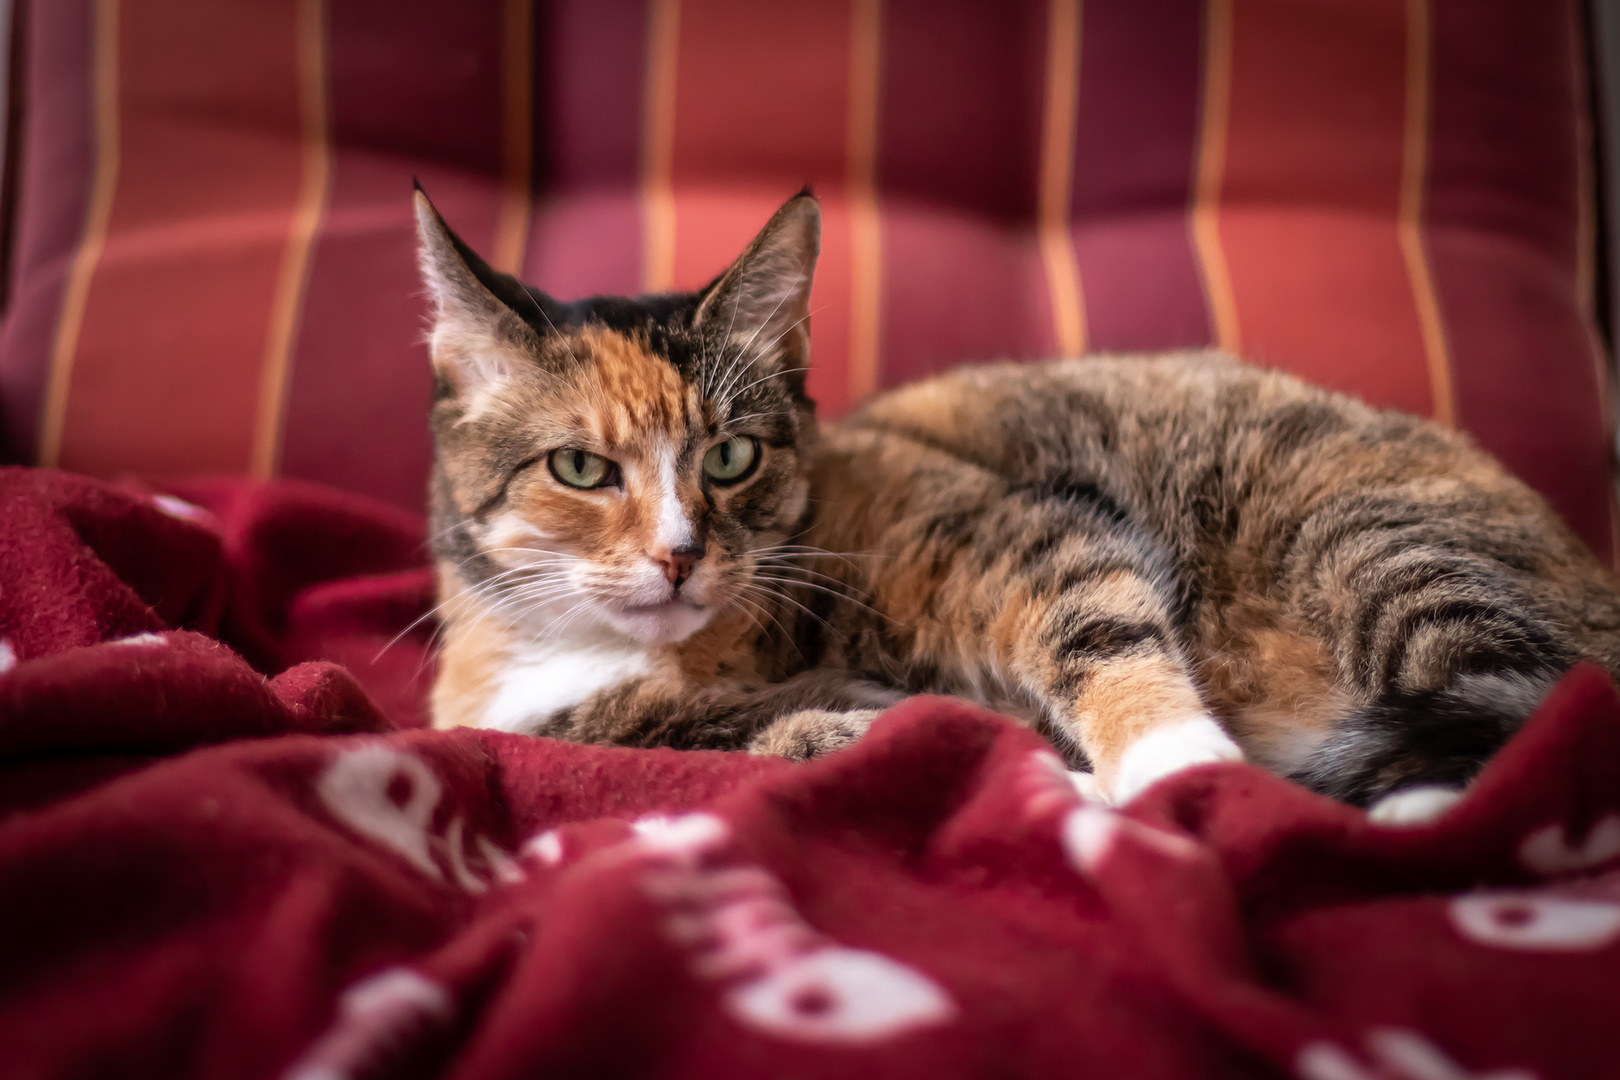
(1413, 806)
(1170, 748)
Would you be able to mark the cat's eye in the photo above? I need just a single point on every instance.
(581, 468)
(732, 460)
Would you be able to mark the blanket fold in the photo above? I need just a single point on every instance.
(228, 849)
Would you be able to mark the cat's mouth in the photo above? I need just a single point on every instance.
(667, 607)
(665, 622)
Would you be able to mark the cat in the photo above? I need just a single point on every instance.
(643, 537)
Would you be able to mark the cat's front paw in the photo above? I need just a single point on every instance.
(1165, 750)
(810, 733)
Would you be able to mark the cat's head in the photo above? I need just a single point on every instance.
(618, 465)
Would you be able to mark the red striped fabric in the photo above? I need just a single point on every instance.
(586, 233)
(958, 180)
(54, 178)
(1140, 69)
(167, 344)
(1505, 230)
(1311, 187)
(418, 96)
(761, 102)
(214, 269)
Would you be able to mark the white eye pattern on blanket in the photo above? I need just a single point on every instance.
(834, 994)
(1548, 851)
(1534, 922)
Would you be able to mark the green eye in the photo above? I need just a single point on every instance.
(730, 461)
(581, 468)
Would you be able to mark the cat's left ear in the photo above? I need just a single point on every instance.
(762, 301)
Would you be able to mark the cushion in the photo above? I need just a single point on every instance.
(213, 265)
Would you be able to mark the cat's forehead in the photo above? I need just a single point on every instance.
(635, 394)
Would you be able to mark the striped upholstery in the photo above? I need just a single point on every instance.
(213, 267)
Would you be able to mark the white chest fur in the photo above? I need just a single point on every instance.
(541, 678)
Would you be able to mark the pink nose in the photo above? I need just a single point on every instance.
(678, 562)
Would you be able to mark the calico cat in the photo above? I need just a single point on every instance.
(644, 538)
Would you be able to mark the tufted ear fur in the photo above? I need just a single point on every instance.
(761, 304)
(485, 323)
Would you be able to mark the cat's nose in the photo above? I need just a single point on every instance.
(678, 562)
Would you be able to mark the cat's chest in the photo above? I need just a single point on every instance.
(535, 680)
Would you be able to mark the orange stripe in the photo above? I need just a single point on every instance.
(737, 156)
(169, 364)
(1309, 218)
(658, 146)
(294, 277)
(517, 136)
(1414, 172)
(98, 214)
(1057, 176)
(1206, 224)
(866, 252)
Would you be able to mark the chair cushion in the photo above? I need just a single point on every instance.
(213, 268)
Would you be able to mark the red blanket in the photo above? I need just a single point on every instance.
(223, 854)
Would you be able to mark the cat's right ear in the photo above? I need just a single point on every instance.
(478, 338)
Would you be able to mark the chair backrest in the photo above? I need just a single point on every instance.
(213, 263)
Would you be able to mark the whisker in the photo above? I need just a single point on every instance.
(831, 592)
(766, 321)
(730, 395)
(778, 594)
(767, 378)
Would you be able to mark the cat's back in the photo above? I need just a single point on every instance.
(1219, 460)
(1150, 426)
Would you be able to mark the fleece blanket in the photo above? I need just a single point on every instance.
(228, 849)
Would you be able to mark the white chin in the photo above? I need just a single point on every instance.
(660, 624)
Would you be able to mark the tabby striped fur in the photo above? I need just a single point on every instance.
(1151, 559)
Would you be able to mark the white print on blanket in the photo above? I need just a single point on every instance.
(382, 1010)
(1397, 1054)
(784, 978)
(1548, 851)
(1048, 785)
(359, 789)
(1090, 829)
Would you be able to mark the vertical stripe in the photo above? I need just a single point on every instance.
(1414, 164)
(93, 241)
(423, 96)
(586, 235)
(762, 107)
(168, 365)
(1586, 242)
(1310, 196)
(517, 143)
(1136, 153)
(1503, 230)
(1206, 226)
(55, 171)
(294, 276)
(658, 154)
(959, 167)
(866, 254)
(1057, 171)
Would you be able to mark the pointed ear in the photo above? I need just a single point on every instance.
(480, 332)
(762, 302)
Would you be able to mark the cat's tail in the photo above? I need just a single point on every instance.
(1441, 738)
